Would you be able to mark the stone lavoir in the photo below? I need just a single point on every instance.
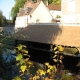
(39, 38)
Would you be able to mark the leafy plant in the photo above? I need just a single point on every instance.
(48, 69)
(22, 59)
(57, 57)
(16, 78)
(58, 16)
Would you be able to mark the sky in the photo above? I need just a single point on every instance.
(5, 7)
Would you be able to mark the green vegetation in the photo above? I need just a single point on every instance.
(15, 9)
(58, 16)
(2, 19)
(22, 59)
(45, 73)
(23, 67)
(71, 50)
(56, 2)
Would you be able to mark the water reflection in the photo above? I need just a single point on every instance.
(8, 55)
(9, 63)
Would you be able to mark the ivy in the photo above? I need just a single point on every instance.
(22, 59)
(16, 78)
(19, 57)
(23, 68)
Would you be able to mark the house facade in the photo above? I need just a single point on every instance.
(70, 11)
(33, 13)
(22, 21)
(41, 14)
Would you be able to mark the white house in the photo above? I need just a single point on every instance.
(33, 13)
(55, 11)
(70, 11)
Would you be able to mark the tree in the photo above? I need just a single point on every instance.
(56, 2)
(49, 1)
(15, 9)
(2, 18)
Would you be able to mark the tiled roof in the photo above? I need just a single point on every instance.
(51, 34)
(29, 7)
(54, 7)
(39, 33)
(34, 6)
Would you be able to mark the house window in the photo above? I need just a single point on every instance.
(29, 9)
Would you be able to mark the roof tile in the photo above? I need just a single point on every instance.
(54, 7)
(51, 34)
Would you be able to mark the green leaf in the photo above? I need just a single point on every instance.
(47, 63)
(19, 57)
(55, 60)
(16, 78)
(19, 47)
(29, 62)
(24, 46)
(25, 51)
(55, 48)
(48, 70)
(23, 68)
(60, 48)
(56, 52)
(54, 56)
(28, 55)
(22, 61)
